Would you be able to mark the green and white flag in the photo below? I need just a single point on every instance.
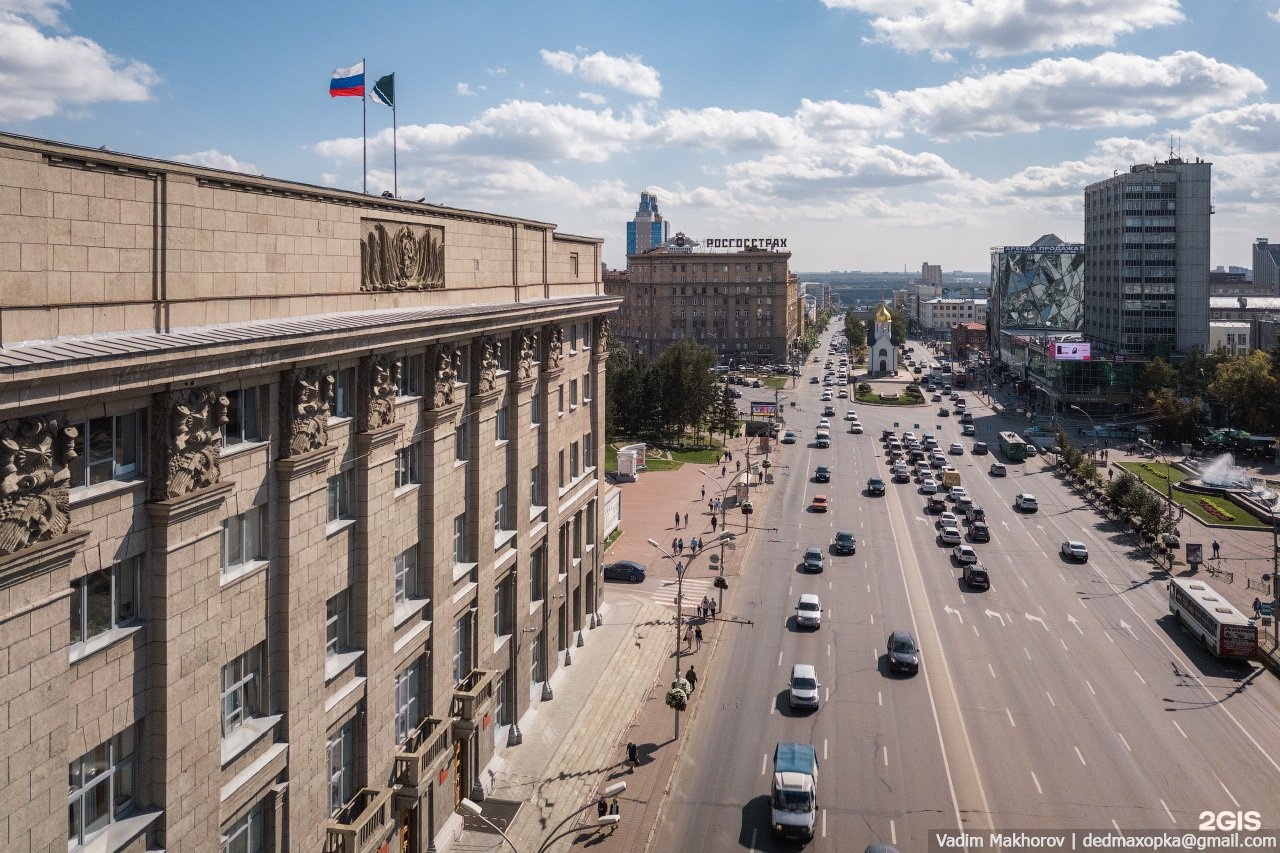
(384, 91)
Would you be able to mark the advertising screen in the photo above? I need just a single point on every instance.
(1070, 351)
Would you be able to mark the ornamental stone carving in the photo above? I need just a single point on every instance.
(188, 427)
(379, 385)
(487, 366)
(307, 401)
(395, 256)
(601, 343)
(555, 348)
(35, 483)
(528, 360)
(447, 362)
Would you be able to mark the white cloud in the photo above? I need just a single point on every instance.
(1005, 27)
(465, 89)
(41, 74)
(726, 130)
(1113, 89)
(593, 98)
(832, 174)
(215, 159)
(627, 74)
(1275, 16)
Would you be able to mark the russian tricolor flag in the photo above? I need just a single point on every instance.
(347, 82)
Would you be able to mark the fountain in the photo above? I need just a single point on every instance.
(1224, 476)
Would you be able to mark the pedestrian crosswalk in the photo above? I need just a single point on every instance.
(694, 589)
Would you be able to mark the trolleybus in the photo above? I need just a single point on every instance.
(1219, 626)
(1013, 447)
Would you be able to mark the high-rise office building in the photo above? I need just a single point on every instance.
(648, 229)
(931, 274)
(1146, 280)
(1036, 288)
(1266, 264)
(303, 503)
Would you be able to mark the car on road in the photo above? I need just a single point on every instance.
(789, 437)
(624, 570)
(845, 543)
(935, 505)
(1075, 550)
(997, 469)
(855, 428)
(819, 503)
(937, 398)
(812, 559)
(842, 394)
(822, 474)
(826, 395)
(1025, 502)
(904, 654)
(813, 380)
(980, 448)
(875, 486)
(802, 690)
(901, 474)
(929, 487)
(828, 411)
(809, 611)
(851, 415)
(944, 412)
(964, 554)
(958, 492)
(1032, 450)
(976, 577)
(968, 429)
(824, 424)
(979, 532)
(950, 536)
(947, 519)
(937, 459)
(956, 449)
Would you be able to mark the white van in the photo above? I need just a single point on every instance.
(809, 611)
(823, 438)
(803, 689)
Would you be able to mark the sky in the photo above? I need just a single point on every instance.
(872, 135)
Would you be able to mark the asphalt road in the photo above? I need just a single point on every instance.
(1065, 697)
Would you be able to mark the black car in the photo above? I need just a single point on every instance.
(944, 412)
(822, 474)
(904, 654)
(875, 486)
(980, 448)
(979, 532)
(626, 570)
(975, 576)
(845, 543)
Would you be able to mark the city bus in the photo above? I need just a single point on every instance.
(1013, 447)
(1220, 627)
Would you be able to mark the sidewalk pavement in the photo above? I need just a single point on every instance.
(614, 690)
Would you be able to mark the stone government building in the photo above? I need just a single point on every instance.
(299, 507)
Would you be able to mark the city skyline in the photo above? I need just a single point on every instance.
(870, 135)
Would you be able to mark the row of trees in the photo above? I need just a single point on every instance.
(666, 397)
(1126, 494)
(1242, 391)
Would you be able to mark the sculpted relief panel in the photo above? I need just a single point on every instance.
(379, 384)
(35, 483)
(395, 256)
(188, 424)
(307, 401)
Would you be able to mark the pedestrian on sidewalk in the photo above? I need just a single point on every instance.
(711, 505)
(675, 546)
(1215, 549)
(677, 521)
(737, 466)
(633, 755)
(680, 546)
(613, 808)
(713, 524)
(686, 519)
(1257, 607)
(697, 637)
(722, 470)
(712, 608)
(692, 678)
(688, 639)
(602, 807)
(704, 609)
(704, 491)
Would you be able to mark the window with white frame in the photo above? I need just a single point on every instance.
(586, 331)
(501, 518)
(460, 442)
(563, 481)
(463, 651)
(560, 397)
(538, 573)
(573, 393)
(104, 600)
(503, 347)
(249, 833)
(588, 451)
(504, 606)
(246, 415)
(242, 690)
(503, 694)
(535, 486)
(102, 783)
(535, 404)
(573, 264)
(408, 700)
(573, 461)
(460, 553)
(406, 576)
(339, 499)
(409, 465)
(586, 388)
(500, 422)
(413, 375)
(106, 448)
(341, 767)
(337, 624)
(344, 392)
(244, 539)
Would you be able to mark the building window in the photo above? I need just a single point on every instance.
(409, 465)
(535, 405)
(573, 393)
(406, 575)
(337, 624)
(501, 521)
(460, 539)
(586, 331)
(341, 767)
(408, 700)
(101, 782)
(588, 452)
(340, 496)
(248, 834)
(500, 422)
(462, 649)
(241, 690)
(535, 486)
(573, 461)
(412, 375)
(586, 388)
(504, 696)
(344, 392)
(104, 600)
(244, 538)
(560, 395)
(460, 443)
(246, 416)
(573, 264)
(504, 606)
(538, 574)
(562, 479)
(106, 449)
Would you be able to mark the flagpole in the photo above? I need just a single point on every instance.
(395, 168)
(364, 125)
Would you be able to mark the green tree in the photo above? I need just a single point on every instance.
(687, 385)
(1248, 391)
(1194, 374)
(1176, 421)
(855, 330)
(1157, 375)
(724, 414)
(898, 331)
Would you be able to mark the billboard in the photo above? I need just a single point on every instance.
(1070, 351)
(764, 410)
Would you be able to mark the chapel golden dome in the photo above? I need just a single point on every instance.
(883, 315)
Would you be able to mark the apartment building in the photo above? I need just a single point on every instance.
(301, 503)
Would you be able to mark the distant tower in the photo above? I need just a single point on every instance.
(648, 229)
(883, 360)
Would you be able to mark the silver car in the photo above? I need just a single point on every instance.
(1075, 550)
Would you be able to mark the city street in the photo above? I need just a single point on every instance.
(1066, 696)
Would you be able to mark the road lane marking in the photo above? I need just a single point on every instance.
(1123, 741)
(1064, 645)
(1140, 678)
(1169, 813)
(885, 752)
(824, 749)
(1114, 824)
(1107, 634)
(1079, 756)
(1051, 702)
(1027, 653)
(828, 650)
(1234, 801)
(1090, 686)
(1039, 790)
(1179, 728)
(975, 631)
(880, 698)
(764, 764)
(893, 832)
(1010, 713)
(992, 670)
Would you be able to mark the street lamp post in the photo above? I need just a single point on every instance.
(473, 808)
(1092, 428)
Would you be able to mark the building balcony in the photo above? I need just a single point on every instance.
(473, 698)
(362, 824)
(424, 748)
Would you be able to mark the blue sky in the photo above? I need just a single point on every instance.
(872, 134)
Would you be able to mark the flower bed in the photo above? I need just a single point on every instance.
(1212, 510)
